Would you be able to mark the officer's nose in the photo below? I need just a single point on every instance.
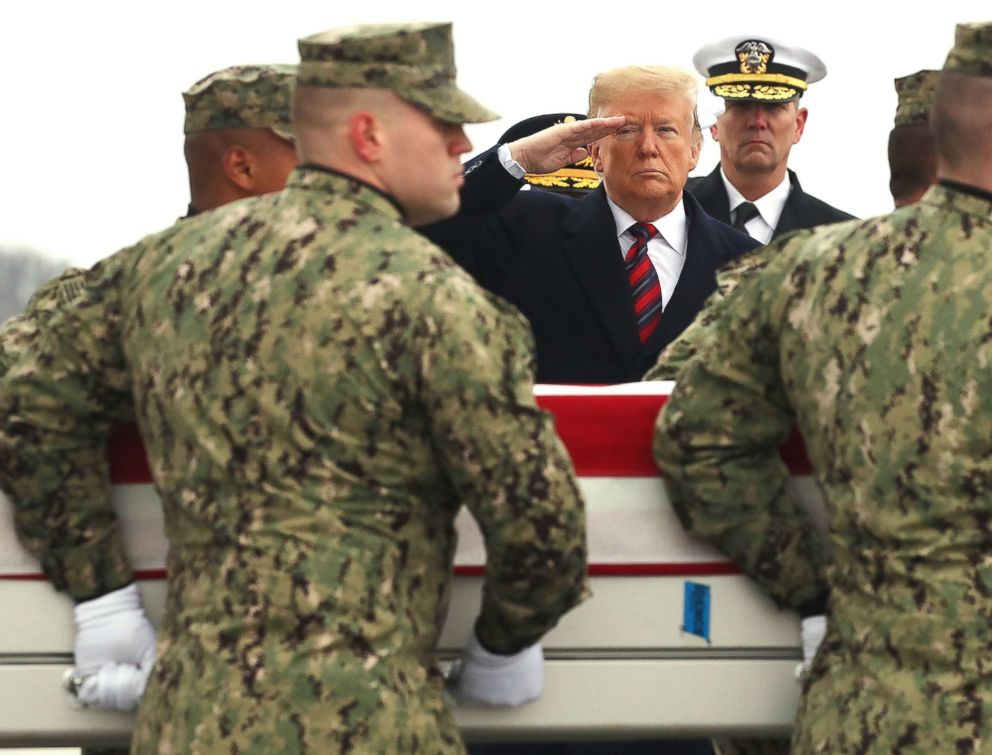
(757, 118)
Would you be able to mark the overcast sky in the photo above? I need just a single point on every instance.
(91, 112)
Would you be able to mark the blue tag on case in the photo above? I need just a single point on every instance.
(696, 610)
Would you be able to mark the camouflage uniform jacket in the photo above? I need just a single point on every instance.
(319, 389)
(18, 332)
(707, 323)
(876, 337)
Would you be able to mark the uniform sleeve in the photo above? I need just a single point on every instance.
(507, 463)
(679, 352)
(717, 442)
(62, 390)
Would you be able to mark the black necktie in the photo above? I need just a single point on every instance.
(745, 211)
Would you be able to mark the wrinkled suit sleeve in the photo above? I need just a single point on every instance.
(506, 462)
(63, 388)
(717, 442)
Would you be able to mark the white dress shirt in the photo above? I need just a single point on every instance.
(666, 250)
(769, 208)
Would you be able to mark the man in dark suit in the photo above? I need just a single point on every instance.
(761, 81)
(606, 281)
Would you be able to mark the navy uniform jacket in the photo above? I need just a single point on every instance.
(557, 259)
(801, 209)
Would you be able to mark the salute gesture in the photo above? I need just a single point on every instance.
(562, 144)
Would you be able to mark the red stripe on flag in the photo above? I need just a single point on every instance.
(667, 569)
(606, 436)
(128, 462)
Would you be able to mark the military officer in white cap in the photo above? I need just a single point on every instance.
(761, 81)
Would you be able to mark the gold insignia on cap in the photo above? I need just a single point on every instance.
(772, 93)
(754, 56)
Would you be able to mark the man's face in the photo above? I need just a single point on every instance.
(646, 163)
(755, 137)
(425, 170)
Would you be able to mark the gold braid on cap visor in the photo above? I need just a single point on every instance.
(760, 86)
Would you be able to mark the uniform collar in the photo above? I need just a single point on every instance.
(770, 206)
(960, 197)
(311, 177)
(966, 189)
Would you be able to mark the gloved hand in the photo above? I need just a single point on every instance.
(484, 677)
(115, 686)
(811, 631)
(115, 649)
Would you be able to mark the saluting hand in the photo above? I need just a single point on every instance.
(562, 144)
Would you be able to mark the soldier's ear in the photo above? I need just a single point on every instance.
(365, 135)
(239, 166)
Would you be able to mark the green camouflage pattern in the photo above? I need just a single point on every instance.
(17, 332)
(320, 389)
(70, 541)
(416, 61)
(874, 336)
(915, 93)
(243, 97)
(972, 51)
(707, 322)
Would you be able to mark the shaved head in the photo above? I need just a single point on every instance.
(961, 121)
(321, 116)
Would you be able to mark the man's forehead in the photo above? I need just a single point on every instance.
(671, 116)
(656, 106)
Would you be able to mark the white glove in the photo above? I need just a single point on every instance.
(812, 630)
(115, 649)
(115, 686)
(484, 677)
(112, 629)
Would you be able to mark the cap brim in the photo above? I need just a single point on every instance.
(746, 91)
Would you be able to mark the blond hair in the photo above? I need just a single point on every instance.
(609, 86)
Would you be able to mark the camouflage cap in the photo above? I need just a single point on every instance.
(242, 97)
(416, 61)
(972, 51)
(915, 97)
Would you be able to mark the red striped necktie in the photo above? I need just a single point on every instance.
(644, 284)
